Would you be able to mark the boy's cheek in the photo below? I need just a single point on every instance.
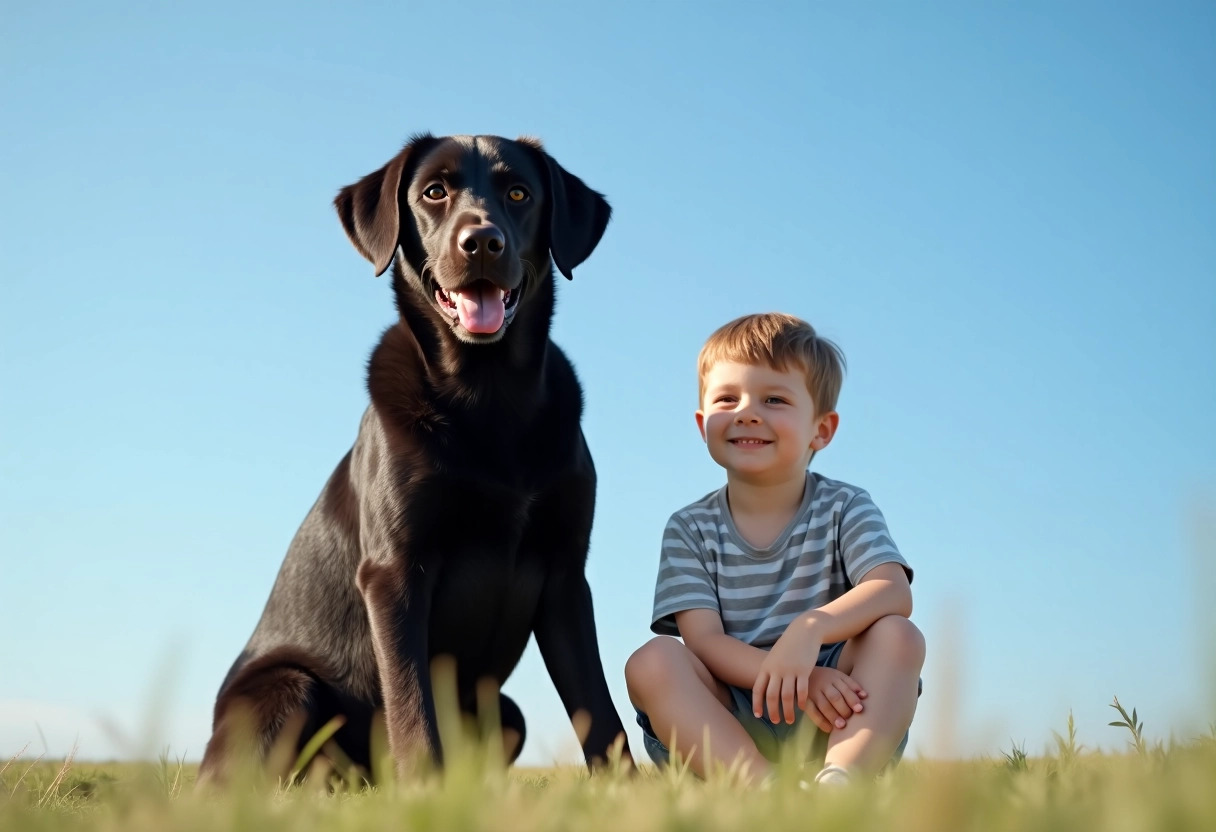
(717, 452)
(715, 423)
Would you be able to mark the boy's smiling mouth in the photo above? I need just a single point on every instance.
(748, 442)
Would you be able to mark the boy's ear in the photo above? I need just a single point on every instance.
(825, 429)
(701, 424)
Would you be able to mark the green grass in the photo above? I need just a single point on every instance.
(1161, 787)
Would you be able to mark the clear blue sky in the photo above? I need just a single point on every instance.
(1004, 213)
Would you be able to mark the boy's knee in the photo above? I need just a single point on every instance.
(649, 668)
(900, 639)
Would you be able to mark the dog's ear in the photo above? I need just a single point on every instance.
(369, 213)
(577, 217)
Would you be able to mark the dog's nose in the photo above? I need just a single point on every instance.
(481, 240)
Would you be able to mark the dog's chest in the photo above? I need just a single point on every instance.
(478, 534)
(487, 580)
(483, 606)
(502, 439)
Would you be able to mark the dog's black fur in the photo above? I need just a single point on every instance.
(458, 524)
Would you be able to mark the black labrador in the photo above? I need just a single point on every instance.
(458, 524)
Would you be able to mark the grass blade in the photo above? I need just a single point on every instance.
(314, 744)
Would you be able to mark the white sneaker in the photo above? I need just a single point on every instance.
(833, 776)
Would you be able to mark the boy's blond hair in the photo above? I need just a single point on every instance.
(778, 341)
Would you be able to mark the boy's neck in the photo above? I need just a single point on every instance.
(761, 511)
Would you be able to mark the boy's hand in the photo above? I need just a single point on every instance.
(834, 697)
(785, 674)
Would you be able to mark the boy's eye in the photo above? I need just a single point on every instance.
(724, 399)
(775, 400)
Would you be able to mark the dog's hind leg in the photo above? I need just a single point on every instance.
(265, 712)
(514, 729)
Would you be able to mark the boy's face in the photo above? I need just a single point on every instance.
(760, 424)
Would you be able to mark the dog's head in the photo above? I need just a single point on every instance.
(475, 220)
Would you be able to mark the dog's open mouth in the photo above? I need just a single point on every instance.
(482, 308)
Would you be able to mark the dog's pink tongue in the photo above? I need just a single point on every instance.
(480, 307)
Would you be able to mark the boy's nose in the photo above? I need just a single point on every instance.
(745, 417)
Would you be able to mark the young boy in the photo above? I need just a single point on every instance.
(784, 585)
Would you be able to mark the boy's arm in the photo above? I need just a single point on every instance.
(728, 659)
(884, 590)
(880, 576)
(783, 677)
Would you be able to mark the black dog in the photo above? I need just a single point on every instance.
(458, 524)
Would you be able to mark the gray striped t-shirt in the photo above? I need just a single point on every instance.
(835, 538)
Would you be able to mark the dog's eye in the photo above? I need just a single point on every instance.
(517, 194)
(435, 192)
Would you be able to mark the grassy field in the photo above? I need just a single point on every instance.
(1151, 787)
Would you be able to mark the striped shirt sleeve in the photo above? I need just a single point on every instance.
(864, 541)
(686, 578)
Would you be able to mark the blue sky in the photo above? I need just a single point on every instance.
(1004, 213)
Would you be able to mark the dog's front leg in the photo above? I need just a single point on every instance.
(398, 608)
(565, 633)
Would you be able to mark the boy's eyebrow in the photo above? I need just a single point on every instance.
(730, 386)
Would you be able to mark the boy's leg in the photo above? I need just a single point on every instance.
(677, 693)
(886, 660)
